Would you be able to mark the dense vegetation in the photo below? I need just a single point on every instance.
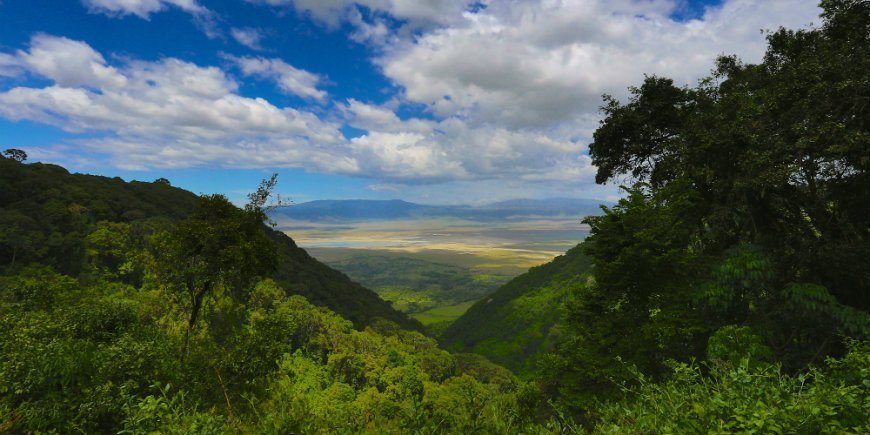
(748, 209)
(47, 215)
(727, 292)
(138, 307)
(514, 325)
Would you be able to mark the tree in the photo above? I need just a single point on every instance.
(748, 207)
(779, 153)
(219, 246)
(15, 154)
(162, 180)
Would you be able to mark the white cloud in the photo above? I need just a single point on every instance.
(431, 150)
(69, 63)
(290, 79)
(511, 90)
(141, 8)
(416, 13)
(172, 113)
(525, 63)
(168, 113)
(10, 66)
(249, 37)
(205, 19)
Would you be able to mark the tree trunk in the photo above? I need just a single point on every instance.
(196, 306)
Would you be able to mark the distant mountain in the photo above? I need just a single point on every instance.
(514, 325)
(354, 209)
(395, 209)
(55, 210)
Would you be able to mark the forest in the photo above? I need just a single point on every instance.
(728, 290)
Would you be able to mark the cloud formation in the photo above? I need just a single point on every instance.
(168, 113)
(248, 36)
(172, 113)
(509, 91)
(141, 8)
(525, 63)
(205, 19)
(289, 79)
(417, 13)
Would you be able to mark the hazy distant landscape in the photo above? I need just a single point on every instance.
(434, 262)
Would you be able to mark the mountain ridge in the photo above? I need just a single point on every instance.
(396, 209)
(56, 208)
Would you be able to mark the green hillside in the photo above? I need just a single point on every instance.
(514, 325)
(47, 213)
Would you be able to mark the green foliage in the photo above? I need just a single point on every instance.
(736, 345)
(47, 215)
(71, 362)
(513, 326)
(218, 246)
(747, 216)
(170, 413)
(15, 154)
(746, 398)
(103, 358)
(415, 285)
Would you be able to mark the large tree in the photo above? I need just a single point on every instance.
(749, 206)
(219, 246)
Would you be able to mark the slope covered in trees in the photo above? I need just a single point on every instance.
(48, 213)
(748, 212)
(513, 326)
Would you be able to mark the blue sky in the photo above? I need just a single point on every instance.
(433, 101)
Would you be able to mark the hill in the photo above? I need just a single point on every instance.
(47, 212)
(365, 209)
(514, 325)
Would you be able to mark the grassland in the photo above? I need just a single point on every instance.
(435, 269)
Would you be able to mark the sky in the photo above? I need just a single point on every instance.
(433, 101)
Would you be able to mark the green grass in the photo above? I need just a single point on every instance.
(443, 314)
(417, 282)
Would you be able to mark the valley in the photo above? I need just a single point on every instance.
(434, 269)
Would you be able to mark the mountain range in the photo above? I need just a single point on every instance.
(396, 209)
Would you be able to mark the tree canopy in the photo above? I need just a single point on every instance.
(747, 206)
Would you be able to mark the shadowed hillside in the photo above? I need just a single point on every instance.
(47, 212)
(513, 325)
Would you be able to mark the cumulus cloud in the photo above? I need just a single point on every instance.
(168, 113)
(289, 79)
(448, 149)
(510, 90)
(513, 87)
(69, 63)
(249, 37)
(526, 63)
(172, 113)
